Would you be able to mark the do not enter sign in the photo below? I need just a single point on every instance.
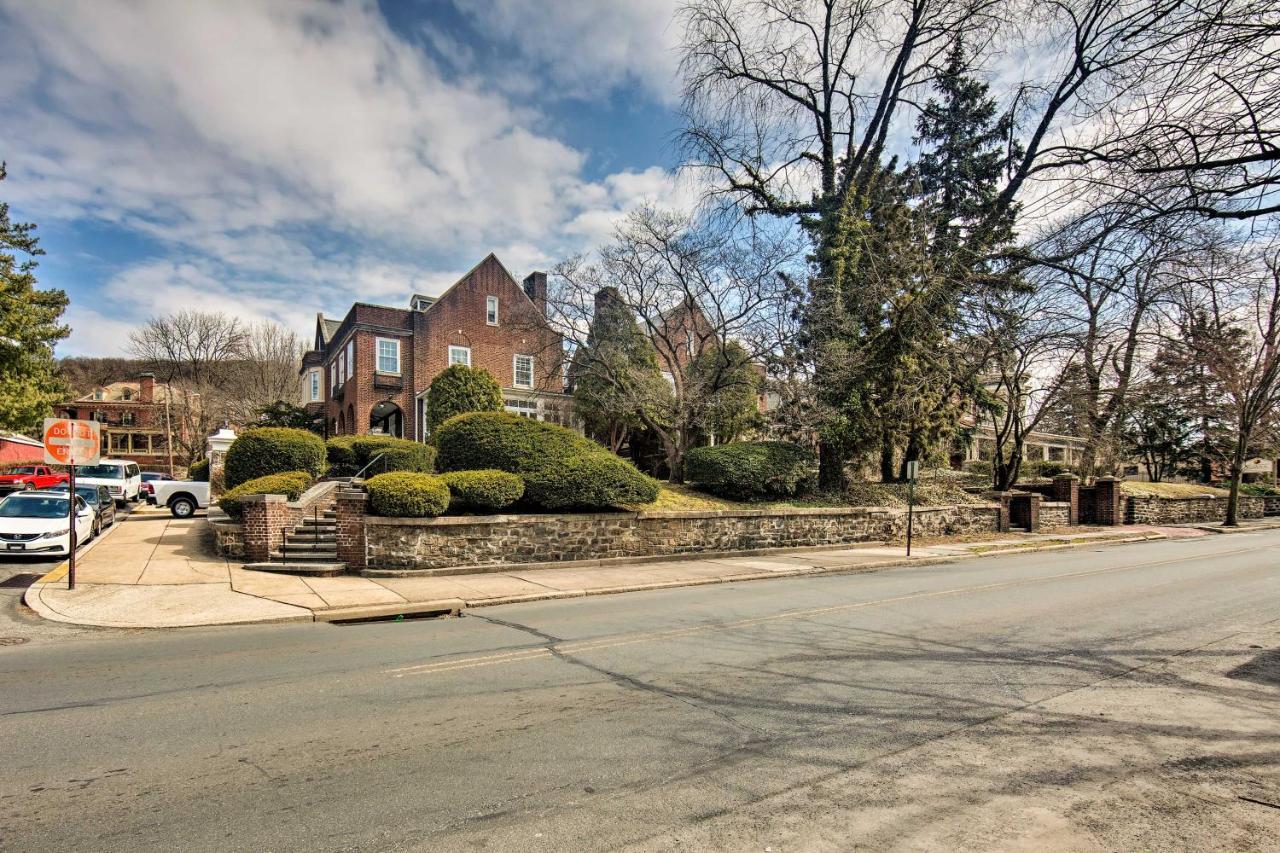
(68, 442)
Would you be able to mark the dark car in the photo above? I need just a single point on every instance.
(103, 505)
(149, 477)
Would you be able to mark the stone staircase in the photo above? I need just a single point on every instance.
(311, 548)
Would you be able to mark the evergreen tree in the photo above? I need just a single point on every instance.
(29, 329)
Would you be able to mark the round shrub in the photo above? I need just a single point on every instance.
(341, 453)
(504, 441)
(199, 471)
(272, 450)
(752, 469)
(488, 489)
(407, 494)
(596, 480)
(398, 454)
(291, 484)
(459, 389)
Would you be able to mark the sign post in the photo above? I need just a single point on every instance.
(71, 443)
(913, 468)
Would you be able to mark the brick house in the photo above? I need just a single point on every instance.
(135, 420)
(370, 371)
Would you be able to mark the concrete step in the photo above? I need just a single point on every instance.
(318, 522)
(310, 544)
(317, 569)
(306, 556)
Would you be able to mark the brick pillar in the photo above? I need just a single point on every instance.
(351, 509)
(1066, 488)
(1107, 510)
(265, 517)
(1004, 499)
(1033, 512)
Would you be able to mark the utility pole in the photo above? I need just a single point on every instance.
(913, 468)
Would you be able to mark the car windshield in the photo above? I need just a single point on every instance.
(104, 472)
(26, 470)
(89, 493)
(33, 506)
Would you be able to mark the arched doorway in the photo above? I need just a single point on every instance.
(386, 418)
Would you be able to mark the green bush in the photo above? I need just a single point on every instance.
(341, 453)
(979, 466)
(459, 389)
(273, 450)
(199, 471)
(407, 494)
(596, 480)
(398, 454)
(752, 469)
(504, 441)
(288, 483)
(487, 489)
(1042, 468)
(1257, 489)
(560, 468)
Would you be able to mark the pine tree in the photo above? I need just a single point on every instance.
(29, 329)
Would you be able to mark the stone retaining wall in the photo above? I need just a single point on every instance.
(411, 543)
(1192, 510)
(228, 535)
(1054, 514)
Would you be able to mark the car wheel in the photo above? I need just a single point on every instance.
(182, 507)
(97, 529)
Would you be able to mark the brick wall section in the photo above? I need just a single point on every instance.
(1024, 511)
(1066, 489)
(351, 508)
(1143, 510)
(1002, 499)
(1107, 507)
(265, 517)
(1271, 505)
(404, 543)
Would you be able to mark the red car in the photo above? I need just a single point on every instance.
(30, 477)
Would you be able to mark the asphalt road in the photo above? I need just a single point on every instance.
(1120, 697)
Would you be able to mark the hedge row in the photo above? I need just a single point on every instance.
(486, 489)
(349, 454)
(560, 469)
(199, 471)
(291, 484)
(752, 469)
(407, 494)
(271, 450)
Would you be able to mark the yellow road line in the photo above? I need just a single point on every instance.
(656, 636)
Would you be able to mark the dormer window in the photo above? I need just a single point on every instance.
(98, 394)
(491, 310)
(126, 394)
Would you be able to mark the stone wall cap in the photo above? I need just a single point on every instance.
(265, 499)
(352, 495)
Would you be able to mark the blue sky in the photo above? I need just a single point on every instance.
(279, 159)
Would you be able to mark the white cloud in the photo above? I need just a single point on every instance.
(293, 156)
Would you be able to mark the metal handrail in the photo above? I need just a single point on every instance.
(359, 473)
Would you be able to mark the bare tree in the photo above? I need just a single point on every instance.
(709, 305)
(266, 369)
(1240, 347)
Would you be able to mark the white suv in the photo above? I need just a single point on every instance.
(121, 477)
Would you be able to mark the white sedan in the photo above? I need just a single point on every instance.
(36, 523)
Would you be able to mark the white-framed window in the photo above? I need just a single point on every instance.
(523, 408)
(459, 355)
(315, 385)
(522, 371)
(491, 310)
(342, 367)
(333, 374)
(351, 359)
(388, 355)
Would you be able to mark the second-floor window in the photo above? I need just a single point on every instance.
(126, 418)
(491, 310)
(523, 371)
(342, 367)
(460, 355)
(333, 374)
(351, 358)
(315, 385)
(388, 355)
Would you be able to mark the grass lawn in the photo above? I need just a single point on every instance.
(680, 498)
(1170, 490)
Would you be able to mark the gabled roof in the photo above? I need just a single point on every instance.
(489, 259)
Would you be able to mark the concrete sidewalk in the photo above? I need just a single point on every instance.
(155, 571)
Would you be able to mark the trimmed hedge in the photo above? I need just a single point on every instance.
(560, 468)
(752, 469)
(291, 484)
(398, 454)
(459, 389)
(588, 481)
(341, 454)
(273, 450)
(199, 471)
(407, 494)
(485, 489)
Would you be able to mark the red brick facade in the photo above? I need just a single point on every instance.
(359, 394)
(133, 419)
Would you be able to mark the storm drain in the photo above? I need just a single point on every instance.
(22, 580)
(395, 617)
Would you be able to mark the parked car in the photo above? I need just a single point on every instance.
(100, 501)
(182, 497)
(36, 523)
(149, 477)
(121, 477)
(30, 477)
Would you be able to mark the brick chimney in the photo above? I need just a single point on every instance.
(147, 387)
(536, 287)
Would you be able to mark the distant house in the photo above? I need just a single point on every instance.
(136, 420)
(16, 449)
(369, 372)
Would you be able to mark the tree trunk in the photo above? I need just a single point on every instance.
(830, 468)
(1233, 495)
(887, 474)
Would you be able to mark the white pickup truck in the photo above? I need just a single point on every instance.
(182, 497)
